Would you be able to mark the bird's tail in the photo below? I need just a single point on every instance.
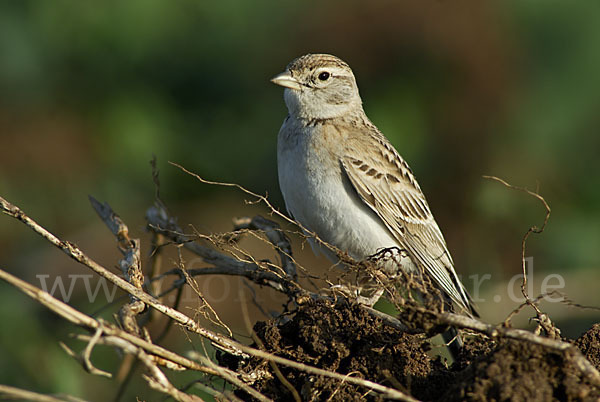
(452, 335)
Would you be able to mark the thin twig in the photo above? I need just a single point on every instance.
(160, 222)
(84, 358)
(74, 252)
(261, 346)
(212, 315)
(232, 378)
(159, 381)
(532, 229)
(278, 239)
(21, 394)
(385, 392)
(80, 319)
(265, 200)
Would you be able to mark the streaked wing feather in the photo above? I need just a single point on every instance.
(387, 186)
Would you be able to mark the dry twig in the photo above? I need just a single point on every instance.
(135, 341)
(532, 229)
(14, 393)
(128, 342)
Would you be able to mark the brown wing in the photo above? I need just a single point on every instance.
(386, 184)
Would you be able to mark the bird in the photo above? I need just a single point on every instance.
(343, 180)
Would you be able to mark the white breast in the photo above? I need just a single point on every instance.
(321, 198)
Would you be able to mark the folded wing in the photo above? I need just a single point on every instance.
(386, 184)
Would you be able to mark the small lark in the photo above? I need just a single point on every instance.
(342, 179)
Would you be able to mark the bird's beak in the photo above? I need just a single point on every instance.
(286, 80)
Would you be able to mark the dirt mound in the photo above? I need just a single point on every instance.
(589, 344)
(348, 340)
(518, 370)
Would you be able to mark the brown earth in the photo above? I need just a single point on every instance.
(348, 340)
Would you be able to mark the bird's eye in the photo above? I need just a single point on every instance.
(324, 76)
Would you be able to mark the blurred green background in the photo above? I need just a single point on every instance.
(89, 91)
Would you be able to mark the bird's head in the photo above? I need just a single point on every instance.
(319, 86)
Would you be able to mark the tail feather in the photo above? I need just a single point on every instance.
(452, 335)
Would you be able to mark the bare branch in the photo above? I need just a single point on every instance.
(84, 358)
(160, 222)
(230, 259)
(76, 317)
(220, 341)
(276, 236)
(158, 381)
(18, 394)
(74, 252)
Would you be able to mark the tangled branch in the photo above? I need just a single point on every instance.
(131, 336)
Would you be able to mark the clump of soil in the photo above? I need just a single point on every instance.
(589, 344)
(518, 370)
(348, 340)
